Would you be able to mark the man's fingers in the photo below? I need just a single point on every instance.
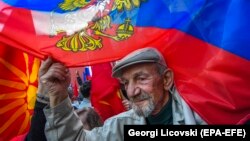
(56, 75)
(55, 71)
(45, 65)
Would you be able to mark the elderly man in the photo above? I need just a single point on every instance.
(149, 86)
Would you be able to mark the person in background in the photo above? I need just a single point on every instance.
(149, 84)
(85, 92)
(80, 83)
(78, 78)
(70, 91)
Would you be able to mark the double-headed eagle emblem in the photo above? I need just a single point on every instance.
(89, 36)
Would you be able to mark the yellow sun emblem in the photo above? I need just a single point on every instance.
(21, 101)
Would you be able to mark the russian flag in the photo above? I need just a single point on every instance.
(87, 74)
(206, 43)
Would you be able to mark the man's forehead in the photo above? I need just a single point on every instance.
(137, 70)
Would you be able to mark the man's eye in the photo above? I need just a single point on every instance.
(141, 78)
(124, 83)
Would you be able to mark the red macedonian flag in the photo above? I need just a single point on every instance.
(105, 91)
(18, 85)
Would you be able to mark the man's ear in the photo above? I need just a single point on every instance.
(168, 79)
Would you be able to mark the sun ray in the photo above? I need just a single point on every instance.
(12, 105)
(26, 60)
(104, 102)
(12, 119)
(13, 95)
(119, 94)
(25, 123)
(13, 84)
(34, 72)
(15, 70)
(31, 96)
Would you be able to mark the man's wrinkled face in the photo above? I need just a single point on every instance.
(144, 86)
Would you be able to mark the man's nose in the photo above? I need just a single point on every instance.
(133, 90)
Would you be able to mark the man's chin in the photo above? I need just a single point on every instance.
(140, 111)
(143, 108)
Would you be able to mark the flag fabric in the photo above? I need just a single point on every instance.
(105, 93)
(205, 42)
(75, 88)
(18, 85)
(19, 138)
